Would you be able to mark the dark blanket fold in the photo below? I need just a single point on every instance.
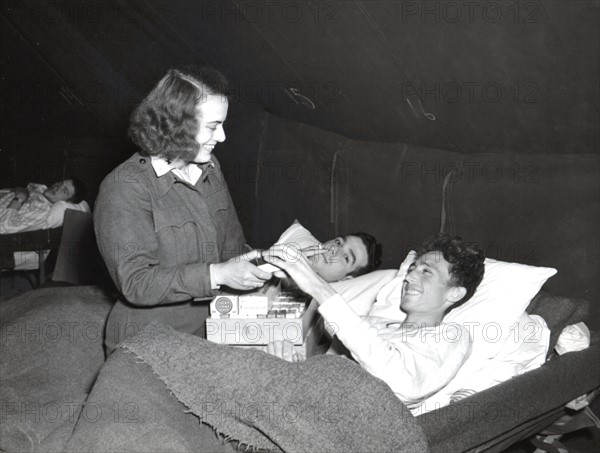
(324, 404)
(50, 353)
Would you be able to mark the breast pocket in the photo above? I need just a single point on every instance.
(172, 217)
(178, 235)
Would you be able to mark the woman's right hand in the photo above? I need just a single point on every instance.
(239, 273)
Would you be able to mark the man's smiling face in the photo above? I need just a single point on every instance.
(427, 286)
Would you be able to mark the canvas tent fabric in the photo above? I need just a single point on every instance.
(466, 76)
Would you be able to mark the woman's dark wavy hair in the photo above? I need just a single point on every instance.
(466, 262)
(373, 254)
(165, 122)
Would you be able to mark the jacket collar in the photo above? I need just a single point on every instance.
(161, 176)
(191, 173)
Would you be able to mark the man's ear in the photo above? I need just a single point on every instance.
(456, 293)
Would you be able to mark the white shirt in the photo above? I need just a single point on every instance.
(30, 216)
(415, 362)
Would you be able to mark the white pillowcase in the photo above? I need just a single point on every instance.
(360, 292)
(388, 298)
(298, 236)
(498, 303)
(57, 212)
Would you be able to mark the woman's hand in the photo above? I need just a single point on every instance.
(239, 273)
(285, 350)
(298, 267)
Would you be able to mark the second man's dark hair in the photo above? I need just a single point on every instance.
(374, 252)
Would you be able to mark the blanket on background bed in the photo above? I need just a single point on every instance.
(324, 404)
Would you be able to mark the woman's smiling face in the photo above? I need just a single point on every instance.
(212, 113)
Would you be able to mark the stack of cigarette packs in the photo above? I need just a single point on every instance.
(254, 319)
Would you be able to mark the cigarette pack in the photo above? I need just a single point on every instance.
(289, 320)
(249, 304)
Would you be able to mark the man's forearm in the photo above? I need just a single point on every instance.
(15, 204)
(322, 292)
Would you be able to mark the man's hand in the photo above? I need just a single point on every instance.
(298, 267)
(21, 194)
(238, 273)
(314, 250)
(285, 350)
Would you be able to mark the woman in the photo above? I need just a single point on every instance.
(164, 219)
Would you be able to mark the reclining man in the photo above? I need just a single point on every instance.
(29, 209)
(415, 358)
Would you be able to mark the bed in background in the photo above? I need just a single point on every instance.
(36, 243)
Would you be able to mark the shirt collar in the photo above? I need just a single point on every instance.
(191, 173)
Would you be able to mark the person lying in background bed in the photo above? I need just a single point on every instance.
(419, 356)
(38, 207)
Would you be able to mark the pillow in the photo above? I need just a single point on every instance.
(360, 292)
(298, 236)
(498, 303)
(57, 212)
(387, 304)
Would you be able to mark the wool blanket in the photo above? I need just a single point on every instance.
(325, 404)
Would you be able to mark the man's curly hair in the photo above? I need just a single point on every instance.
(466, 262)
(165, 123)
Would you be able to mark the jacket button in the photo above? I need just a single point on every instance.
(142, 161)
